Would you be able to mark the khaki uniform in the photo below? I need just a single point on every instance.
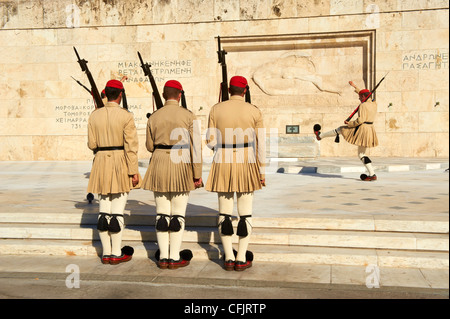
(236, 132)
(361, 131)
(238, 168)
(112, 126)
(172, 170)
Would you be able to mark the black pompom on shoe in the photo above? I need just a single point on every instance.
(127, 250)
(242, 265)
(127, 254)
(185, 259)
(317, 129)
(186, 254)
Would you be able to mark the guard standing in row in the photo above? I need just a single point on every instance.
(113, 137)
(359, 132)
(174, 170)
(235, 132)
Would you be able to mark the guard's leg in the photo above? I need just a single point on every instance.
(332, 133)
(176, 228)
(162, 201)
(367, 163)
(102, 226)
(245, 207)
(116, 227)
(226, 201)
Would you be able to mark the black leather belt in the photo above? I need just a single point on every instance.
(169, 147)
(110, 148)
(242, 145)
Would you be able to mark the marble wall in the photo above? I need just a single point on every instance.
(297, 55)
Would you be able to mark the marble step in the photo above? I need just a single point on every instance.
(385, 223)
(262, 253)
(262, 236)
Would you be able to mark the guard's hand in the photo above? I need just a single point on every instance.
(263, 182)
(198, 182)
(135, 180)
(346, 122)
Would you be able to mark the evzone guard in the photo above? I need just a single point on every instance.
(360, 132)
(112, 136)
(174, 170)
(237, 167)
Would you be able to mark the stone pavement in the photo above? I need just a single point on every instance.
(321, 189)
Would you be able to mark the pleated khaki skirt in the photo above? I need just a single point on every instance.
(109, 174)
(166, 173)
(234, 171)
(362, 135)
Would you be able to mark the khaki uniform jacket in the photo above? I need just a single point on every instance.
(112, 171)
(360, 132)
(236, 133)
(173, 170)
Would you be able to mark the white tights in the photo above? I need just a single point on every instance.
(169, 204)
(244, 207)
(112, 204)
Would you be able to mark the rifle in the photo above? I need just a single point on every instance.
(147, 72)
(94, 91)
(370, 94)
(224, 85)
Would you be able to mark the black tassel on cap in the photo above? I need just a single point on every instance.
(124, 100)
(183, 100)
(247, 95)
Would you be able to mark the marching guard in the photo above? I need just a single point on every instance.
(113, 138)
(359, 132)
(236, 133)
(174, 170)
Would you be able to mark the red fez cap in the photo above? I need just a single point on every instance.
(114, 84)
(238, 81)
(364, 91)
(174, 84)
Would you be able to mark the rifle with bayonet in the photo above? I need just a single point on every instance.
(148, 72)
(94, 91)
(224, 85)
(370, 94)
